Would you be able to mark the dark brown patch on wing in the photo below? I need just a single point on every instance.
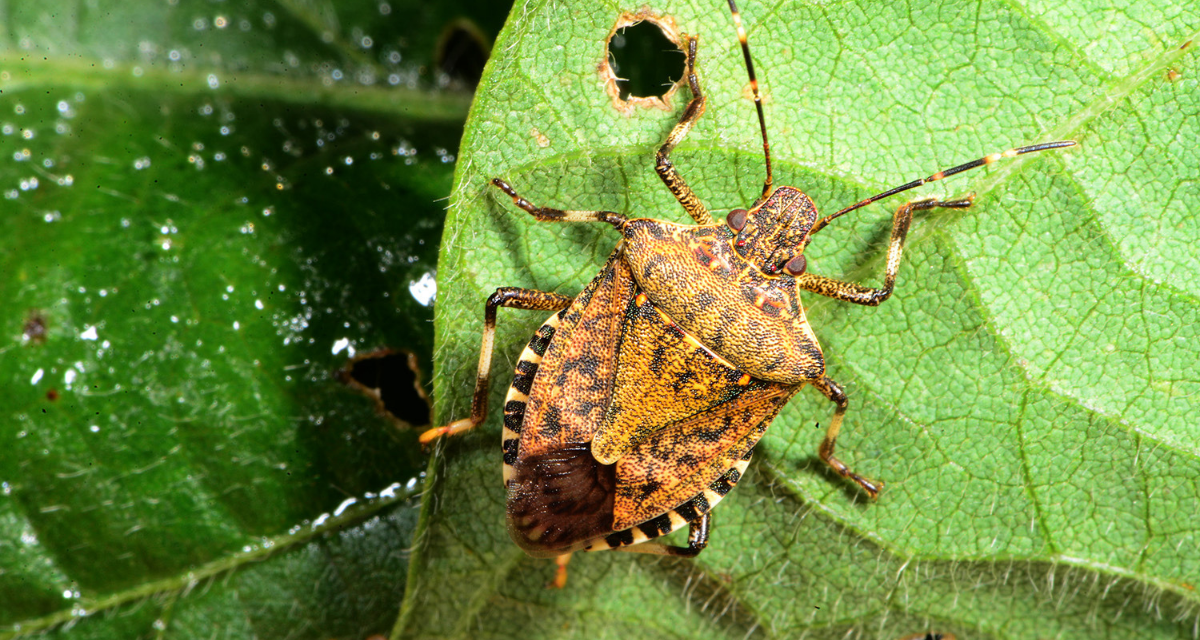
(559, 498)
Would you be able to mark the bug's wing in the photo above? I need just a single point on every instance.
(679, 461)
(665, 376)
(574, 382)
(560, 498)
(559, 495)
(679, 417)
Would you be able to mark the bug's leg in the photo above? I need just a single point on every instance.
(548, 214)
(698, 531)
(560, 572)
(664, 167)
(833, 391)
(857, 293)
(512, 297)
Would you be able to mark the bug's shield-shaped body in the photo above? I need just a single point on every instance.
(635, 409)
(710, 280)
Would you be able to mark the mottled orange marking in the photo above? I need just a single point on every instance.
(744, 380)
(715, 262)
(640, 299)
(760, 298)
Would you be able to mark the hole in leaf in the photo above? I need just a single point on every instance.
(644, 60)
(462, 51)
(392, 378)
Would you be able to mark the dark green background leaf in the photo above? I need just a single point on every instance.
(1028, 394)
(207, 208)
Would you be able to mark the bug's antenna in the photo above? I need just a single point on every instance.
(762, 123)
(967, 166)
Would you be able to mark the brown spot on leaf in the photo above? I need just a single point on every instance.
(34, 329)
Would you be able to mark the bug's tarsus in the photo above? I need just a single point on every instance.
(698, 531)
(966, 166)
(762, 121)
(548, 214)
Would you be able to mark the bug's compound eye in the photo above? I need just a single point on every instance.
(796, 266)
(737, 219)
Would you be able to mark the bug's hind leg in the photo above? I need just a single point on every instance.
(857, 293)
(664, 166)
(833, 391)
(560, 572)
(503, 297)
(698, 531)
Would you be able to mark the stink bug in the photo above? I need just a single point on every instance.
(637, 405)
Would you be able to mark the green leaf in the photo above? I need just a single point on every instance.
(207, 208)
(1028, 394)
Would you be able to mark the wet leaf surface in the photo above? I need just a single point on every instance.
(207, 210)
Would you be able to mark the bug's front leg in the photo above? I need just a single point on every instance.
(549, 214)
(833, 391)
(512, 297)
(857, 293)
(664, 166)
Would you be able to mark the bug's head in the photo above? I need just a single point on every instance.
(773, 234)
